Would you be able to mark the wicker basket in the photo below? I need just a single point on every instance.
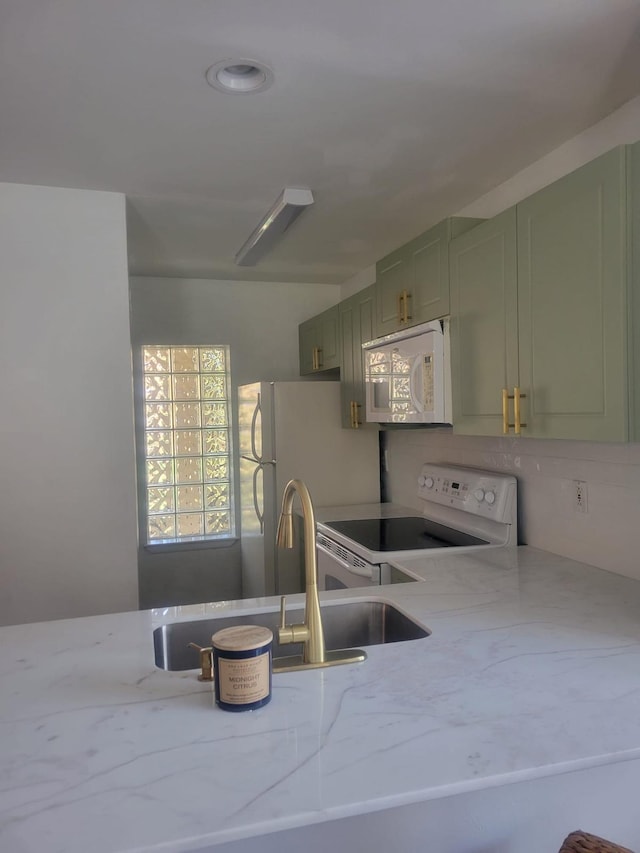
(583, 842)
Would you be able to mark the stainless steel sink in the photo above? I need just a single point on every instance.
(346, 625)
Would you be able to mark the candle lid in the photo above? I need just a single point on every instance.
(242, 638)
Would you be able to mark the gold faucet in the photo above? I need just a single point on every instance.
(309, 632)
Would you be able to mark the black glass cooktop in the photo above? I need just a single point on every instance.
(402, 534)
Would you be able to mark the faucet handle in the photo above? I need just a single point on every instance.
(290, 633)
(206, 661)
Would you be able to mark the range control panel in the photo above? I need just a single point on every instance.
(472, 490)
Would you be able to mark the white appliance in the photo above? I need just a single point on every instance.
(292, 430)
(408, 376)
(464, 509)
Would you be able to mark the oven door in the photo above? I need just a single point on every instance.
(339, 568)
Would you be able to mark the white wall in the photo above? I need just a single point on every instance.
(358, 282)
(259, 321)
(619, 128)
(67, 502)
(606, 536)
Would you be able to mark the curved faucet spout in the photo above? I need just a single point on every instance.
(310, 632)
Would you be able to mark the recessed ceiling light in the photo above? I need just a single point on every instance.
(240, 76)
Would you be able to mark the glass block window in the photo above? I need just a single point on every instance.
(187, 443)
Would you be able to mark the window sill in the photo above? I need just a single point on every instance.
(190, 545)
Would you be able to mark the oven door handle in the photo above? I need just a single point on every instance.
(362, 572)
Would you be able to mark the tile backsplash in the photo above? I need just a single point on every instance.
(606, 535)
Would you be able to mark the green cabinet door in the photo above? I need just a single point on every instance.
(429, 284)
(484, 323)
(308, 337)
(412, 283)
(319, 341)
(357, 316)
(392, 281)
(571, 304)
(539, 302)
(329, 356)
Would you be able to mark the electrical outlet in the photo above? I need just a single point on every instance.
(581, 501)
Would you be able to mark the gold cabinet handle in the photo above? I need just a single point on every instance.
(403, 306)
(505, 411)
(313, 359)
(355, 421)
(517, 422)
(407, 297)
(318, 358)
(517, 396)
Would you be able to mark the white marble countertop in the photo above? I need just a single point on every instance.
(533, 668)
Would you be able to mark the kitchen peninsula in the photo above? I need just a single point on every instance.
(515, 720)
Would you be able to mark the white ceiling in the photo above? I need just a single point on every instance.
(394, 112)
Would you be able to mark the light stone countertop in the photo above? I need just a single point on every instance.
(533, 669)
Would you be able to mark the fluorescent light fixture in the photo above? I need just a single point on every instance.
(289, 205)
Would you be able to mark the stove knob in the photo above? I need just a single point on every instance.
(479, 494)
(421, 480)
(428, 482)
(490, 498)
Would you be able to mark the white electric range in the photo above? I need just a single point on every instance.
(464, 509)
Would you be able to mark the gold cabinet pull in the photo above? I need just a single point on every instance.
(313, 359)
(318, 358)
(403, 306)
(406, 297)
(505, 411)
(517, 422)
(517, 396)
(355, 421)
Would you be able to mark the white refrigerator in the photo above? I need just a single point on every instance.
(292, 430)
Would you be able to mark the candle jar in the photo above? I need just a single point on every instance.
(242, 666)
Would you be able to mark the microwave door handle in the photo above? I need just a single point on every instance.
(418, 402)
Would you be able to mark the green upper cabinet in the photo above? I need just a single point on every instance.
(412, 283)
(484, 323)
(357, 318)
(539, 304)
(572, 295)
(319, 340)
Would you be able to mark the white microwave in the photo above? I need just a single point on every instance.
(408, 376)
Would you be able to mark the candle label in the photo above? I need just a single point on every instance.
(245, 680)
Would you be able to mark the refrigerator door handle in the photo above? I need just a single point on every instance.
(257, 411)
(259, 513)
